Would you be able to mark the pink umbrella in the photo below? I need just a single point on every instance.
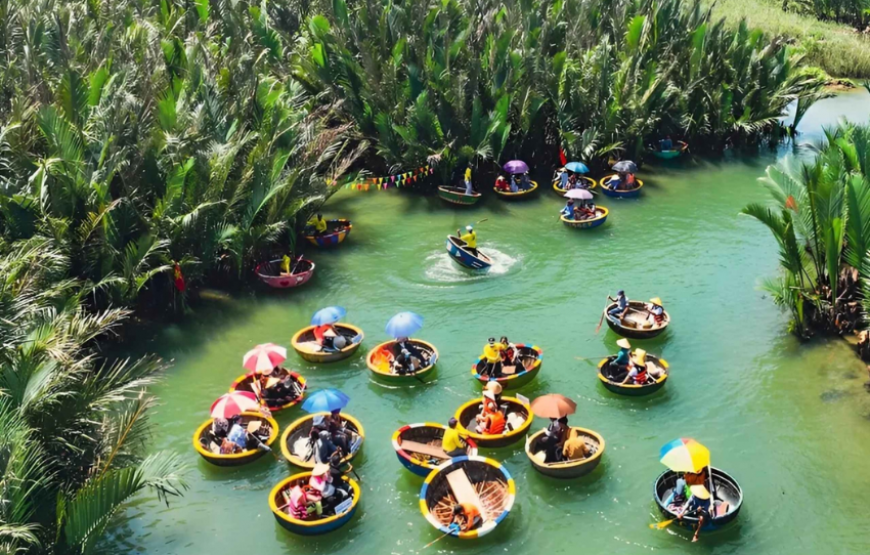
(231, 404)
(263, 358)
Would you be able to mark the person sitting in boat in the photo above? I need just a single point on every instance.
(405, 363)
(418, 357)
(317, 224)
(698, 505)
(322, 489)
(300, 506)
(575, 447)
(525, 182)
(237, 435)
(637, 372)
(516, 183)
(492, 358)
(619, 365)
(220, 427)
(324, 448)
(624, 182)
(510, 354)
(551, 441)
(465, 517)
(568, 210)
(621, 307)
(452, 443)
(666, 144)
(656, 311)
(586, 210)
(697, 478)
(495, 388)
(279, 387)
(491, 421)
(501, 184)
(341, 436)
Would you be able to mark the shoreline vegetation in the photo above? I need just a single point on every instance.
(149, 149)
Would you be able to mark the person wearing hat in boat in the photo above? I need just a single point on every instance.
(656, 311)
(452, 443)
(276, 391)
(501, 184)
(324, 447)
(551, 441)
(637, 371)
(341, 436)
(621, 307)
(575, 447)
(404, 363)
(492, 358)
(299, 505)
(469, 237)
(465, 517)
(510, 353)
(624, 182)
(491, 420)
(568, 210)
(623, 357)
(411, 356)
(322, 489)
(495, 388)
(699, 505)
(318, 224)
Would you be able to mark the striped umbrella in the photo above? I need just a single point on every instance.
(685, 455)
(231, 404)
(263, 358)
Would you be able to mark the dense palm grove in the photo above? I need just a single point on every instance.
(853, 12)
(139, 135)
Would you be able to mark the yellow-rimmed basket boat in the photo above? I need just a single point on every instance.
(609, 191)
(467, 413)
(479, 481)
(636, 324)
(566, 469)
(204, 443)
(306, 345)
(519, 194)
(531, 357)
(590, 184)
(298, 450)
(418, 446)
(605, 374)
(245, 383)
(599, 219)
(379, 360)
(279, 499)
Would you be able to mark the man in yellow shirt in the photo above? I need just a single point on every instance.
(451, 443)
(492, 357)
(470, 238)
(318, 223)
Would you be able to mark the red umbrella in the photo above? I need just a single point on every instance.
(231, 404)
(263, 358)
(553, 405)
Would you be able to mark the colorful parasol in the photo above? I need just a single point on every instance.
(553, 405)
(263, 358)
(685, 455)
(231, 404)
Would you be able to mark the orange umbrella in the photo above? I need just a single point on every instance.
(553, 405)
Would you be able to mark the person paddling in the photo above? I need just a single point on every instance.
(621, 307)
(469, 237)
(698, 504)
(452, 443)
(466, 517)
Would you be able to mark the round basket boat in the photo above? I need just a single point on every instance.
(269, 273)
(727, 499)
(245, 383)
(531, 357)
(456, 195)
(609, 191)
(566, 469)
(418, 447)
(336, 232)
(636, 324)
(516, 410)
(519, 194)
(612, 382)
(673, 153)
(297, 449)
(599, 219)
(380, 362)
(473, 259)
(309, 349)
(479, 481)
(205, 444)
(279, 498)
(590, 184)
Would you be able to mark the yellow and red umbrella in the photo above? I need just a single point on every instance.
(231, 404)
(684, 455)
(263, 358)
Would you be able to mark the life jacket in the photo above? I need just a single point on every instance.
(508, 354)
(298, 503)
(489, 407)
(494, 423)
(640, 379)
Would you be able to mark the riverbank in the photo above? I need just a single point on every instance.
(836, 48)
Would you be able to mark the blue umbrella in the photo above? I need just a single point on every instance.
(325, 400)
(404, 324)
(328, 315)
(576, 167)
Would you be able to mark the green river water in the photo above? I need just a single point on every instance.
(790, 422)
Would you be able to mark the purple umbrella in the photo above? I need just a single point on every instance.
(516, 166)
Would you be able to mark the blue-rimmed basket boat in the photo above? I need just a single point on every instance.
(461, 254)
(727, 499)
(636, 324)
(456, 195)
(530, 359)
(278, 500)
(673, 153)
(418, 447)
(605, 374)
(599, 219)
(204, 443)
(481, 481)
(609, 191)
(519, 194)
(590, 184)
(299, 452)
(336, 232)
(467, 414)
(567, 469)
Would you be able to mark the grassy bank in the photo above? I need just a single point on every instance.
(836, 48)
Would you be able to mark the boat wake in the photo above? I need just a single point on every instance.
(441, 268)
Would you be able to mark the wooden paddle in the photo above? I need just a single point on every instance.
(661, 525)
(481, 221)
(437, 539)
(601, 320)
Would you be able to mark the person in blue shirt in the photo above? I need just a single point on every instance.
(563, 179)
(621, 307)
(238, 435)
(568, 211)
(699, 504)
(666, 144)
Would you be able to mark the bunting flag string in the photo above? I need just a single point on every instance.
(382, 183)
